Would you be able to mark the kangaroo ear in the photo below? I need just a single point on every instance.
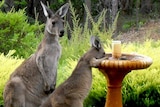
(95, 42)
(47, 12)
(63, 10)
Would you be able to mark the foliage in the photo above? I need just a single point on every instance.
(16, 33)
(141, 88)
(130, 22)
(81, 35)
(20, 4)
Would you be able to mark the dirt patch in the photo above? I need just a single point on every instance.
(151, 30)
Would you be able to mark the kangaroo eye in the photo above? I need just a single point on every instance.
(53, 23)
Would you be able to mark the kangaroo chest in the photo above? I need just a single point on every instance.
(52, 53)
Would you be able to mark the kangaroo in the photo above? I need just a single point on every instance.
(74, 90)
(32, 82)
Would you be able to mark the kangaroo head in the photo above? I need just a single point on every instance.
(96, 50)
(54, 24)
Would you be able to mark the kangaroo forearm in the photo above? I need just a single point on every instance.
(96, 62)
(40, 65)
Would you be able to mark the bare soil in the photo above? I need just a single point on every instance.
(150, 30)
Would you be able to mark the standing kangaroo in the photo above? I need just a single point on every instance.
(32, 82)
(74, 90)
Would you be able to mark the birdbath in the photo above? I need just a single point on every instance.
(115, 67)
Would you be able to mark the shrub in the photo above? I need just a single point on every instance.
(17, 34)
(141, 88)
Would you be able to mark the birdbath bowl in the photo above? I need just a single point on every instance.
(115, 68)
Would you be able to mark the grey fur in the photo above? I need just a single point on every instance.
(74, 90)
(32, 82)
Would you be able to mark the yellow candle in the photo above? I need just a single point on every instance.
(116, 49)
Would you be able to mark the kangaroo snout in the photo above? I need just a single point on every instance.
(61, 33)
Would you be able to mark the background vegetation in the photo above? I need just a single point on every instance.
(16, 33)
(141, 88)
(131, 11)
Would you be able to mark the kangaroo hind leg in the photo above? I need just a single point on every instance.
(14, 93)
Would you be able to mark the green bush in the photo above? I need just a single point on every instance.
(141, 88)
(17, 34)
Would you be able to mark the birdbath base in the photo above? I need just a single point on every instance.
(115, 70)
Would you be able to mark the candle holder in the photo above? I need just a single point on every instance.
(116, 49)
(115, 68)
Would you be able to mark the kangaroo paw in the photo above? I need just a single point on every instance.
(96, 62)
(47, 88)
(52, 88)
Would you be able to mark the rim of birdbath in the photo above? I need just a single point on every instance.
(132, 61)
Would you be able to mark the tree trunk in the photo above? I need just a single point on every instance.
(114, 9)
(34, 9)
(114, 13)
(145, 6)
(137, 13)
(88, 4)
(106, 5)
(70, 24)
(8, 4)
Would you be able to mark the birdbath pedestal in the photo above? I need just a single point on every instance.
(115, 68)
